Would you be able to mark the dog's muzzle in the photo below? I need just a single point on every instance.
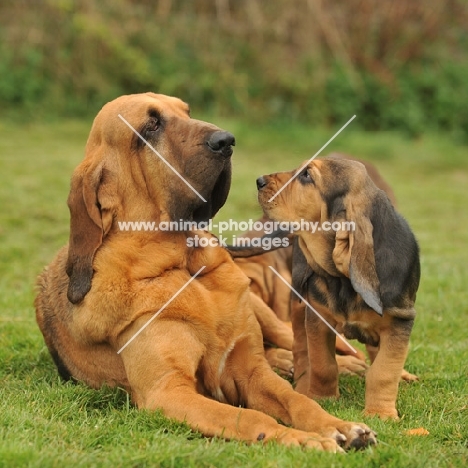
(221, 143)
(261, 182)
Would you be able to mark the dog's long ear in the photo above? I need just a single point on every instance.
(353, 253)
(86, 230)
(218, 197)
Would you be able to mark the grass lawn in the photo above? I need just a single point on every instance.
(44, 422)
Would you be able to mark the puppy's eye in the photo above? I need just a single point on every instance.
(305, 177)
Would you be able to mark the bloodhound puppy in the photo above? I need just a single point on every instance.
(170, 321)
(277, 295)
(362, 281)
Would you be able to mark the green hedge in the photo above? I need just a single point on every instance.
(66, 58)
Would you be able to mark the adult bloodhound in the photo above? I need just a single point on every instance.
(171, 322)
(362, 281)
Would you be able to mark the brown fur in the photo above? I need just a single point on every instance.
(348, 276)
(201, 360)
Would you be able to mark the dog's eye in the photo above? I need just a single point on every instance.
(305, 176)
(153, 124)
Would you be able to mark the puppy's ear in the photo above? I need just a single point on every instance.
(218, 197)
(86, 230)
(353, 253)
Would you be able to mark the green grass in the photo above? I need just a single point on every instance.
(44, 422)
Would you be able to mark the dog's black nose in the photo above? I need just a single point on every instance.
(261, 182)
(221, 142)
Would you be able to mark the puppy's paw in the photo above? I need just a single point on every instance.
(407, 377)
(382, 413)
(351, 365)
(281, 361)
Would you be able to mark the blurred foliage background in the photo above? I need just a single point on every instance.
(398, 64)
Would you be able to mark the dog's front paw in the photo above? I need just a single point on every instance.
(355, 436)
(293, 437)
(382, 413)
(351, 365)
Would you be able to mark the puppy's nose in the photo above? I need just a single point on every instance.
(221, 142)
(261, 182)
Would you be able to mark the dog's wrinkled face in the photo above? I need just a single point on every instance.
(336, 191)
(146, 160)
(194, 151)
(315, 192)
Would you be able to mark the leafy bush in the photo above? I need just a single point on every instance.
(396, 64)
